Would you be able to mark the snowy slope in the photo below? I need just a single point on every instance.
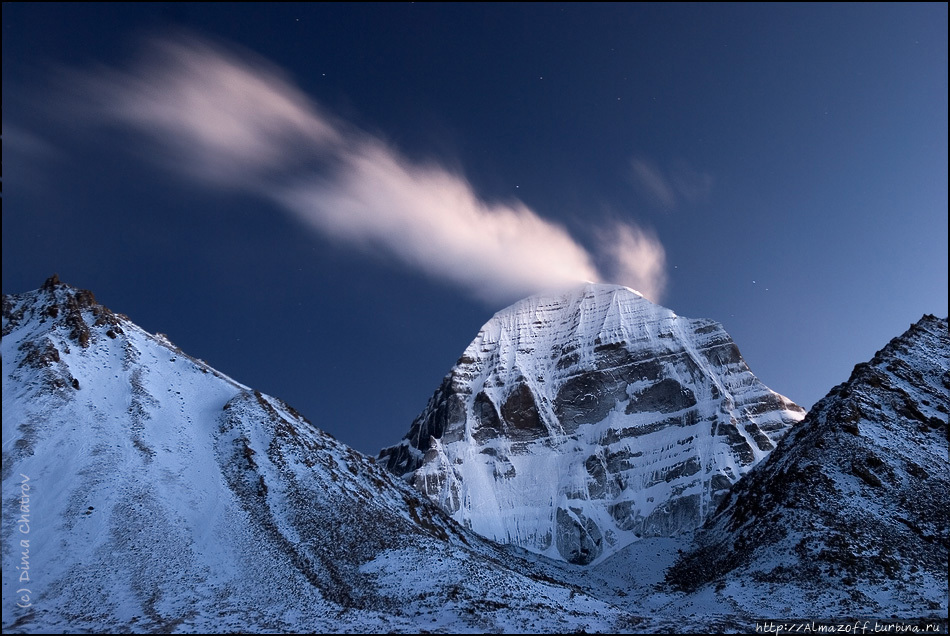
(849, 514)
(144, 491)
(577, 423)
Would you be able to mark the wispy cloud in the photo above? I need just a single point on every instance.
(433, 220)
(235, 121)
(691, 184)
(653, 183)
(668, 189)
(209, 115)
(634, 258)
(25, 152)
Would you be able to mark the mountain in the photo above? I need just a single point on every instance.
(143, 491)
(575, 424)
(849, 513)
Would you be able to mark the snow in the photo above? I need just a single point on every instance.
(511, 491)
(163, 496)
(821, 527)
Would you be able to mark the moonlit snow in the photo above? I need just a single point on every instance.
(143, 491)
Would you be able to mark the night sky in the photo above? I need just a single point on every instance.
(326, 201)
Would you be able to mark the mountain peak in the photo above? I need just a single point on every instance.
(57, 304)
(577, 422)
(588, 292)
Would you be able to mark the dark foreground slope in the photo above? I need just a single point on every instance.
(848, 516)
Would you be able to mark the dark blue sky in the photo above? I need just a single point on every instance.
(326, 201)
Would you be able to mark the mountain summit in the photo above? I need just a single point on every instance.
(577, 423)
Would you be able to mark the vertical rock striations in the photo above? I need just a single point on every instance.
(575, 424)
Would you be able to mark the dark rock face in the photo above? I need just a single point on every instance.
(666, 396)
(520, 412)
(588, 397)
(488, 424)
(854, 498)
(573, 425)
(578, 538)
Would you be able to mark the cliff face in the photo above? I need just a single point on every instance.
(575, 424)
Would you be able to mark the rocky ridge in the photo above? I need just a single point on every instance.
(143, 491)
(850, 510)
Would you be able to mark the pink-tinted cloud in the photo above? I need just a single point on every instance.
(691, 184)
(235, 121)
(634, 258)
(213, 116)
(432, 219)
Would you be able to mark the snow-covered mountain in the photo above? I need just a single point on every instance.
(144, 491)
(849, 513)
(577, 423)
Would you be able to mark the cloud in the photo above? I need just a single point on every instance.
(667, 190)
(25, 143)
(25, 152)
(691, 184)
(432, 219)
(652, 181)
(634, 258)
(213, 116)
(235, 121)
